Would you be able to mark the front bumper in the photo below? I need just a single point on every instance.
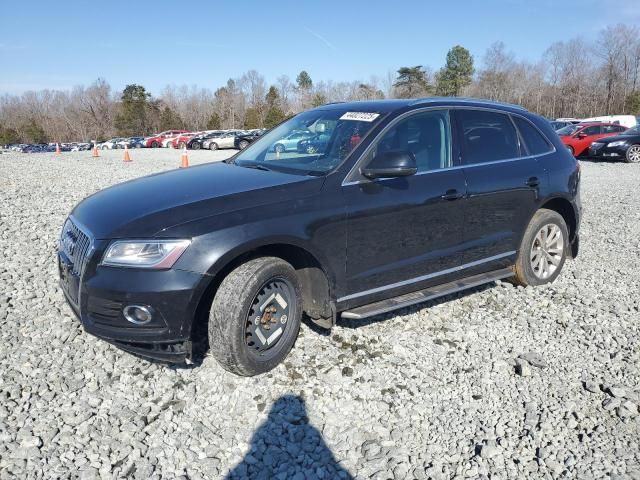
(173, 297)
(605, 152)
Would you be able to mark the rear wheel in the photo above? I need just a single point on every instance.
(279, 148)
(213, 146)
(155, 145)
(543, 250)
(255, 316)
(633, 154)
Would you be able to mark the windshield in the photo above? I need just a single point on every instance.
(311, 143)
(569, 129)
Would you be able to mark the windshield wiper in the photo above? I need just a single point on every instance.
(257, 166)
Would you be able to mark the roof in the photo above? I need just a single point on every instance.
(396, 104)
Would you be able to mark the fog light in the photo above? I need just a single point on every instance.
(138, 314)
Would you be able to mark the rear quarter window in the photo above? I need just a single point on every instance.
(534, 142)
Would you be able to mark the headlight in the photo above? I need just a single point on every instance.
(144, 254)
(619, 143)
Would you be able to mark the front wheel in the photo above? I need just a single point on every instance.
(255, 316)
(195, 146)
(633, 154)
(279, 148)
(543, 250)
(213, 146)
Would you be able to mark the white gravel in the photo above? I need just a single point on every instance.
(499, 383)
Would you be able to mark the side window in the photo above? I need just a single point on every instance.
(427, 135)
(534, 141)
(620, 128)
(593, 130)
(487, 136)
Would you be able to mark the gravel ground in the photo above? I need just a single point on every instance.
(501, 382)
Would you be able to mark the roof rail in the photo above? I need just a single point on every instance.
(419, 101)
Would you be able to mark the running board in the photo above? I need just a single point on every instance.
(420, 296)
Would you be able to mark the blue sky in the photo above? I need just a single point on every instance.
(59, 44)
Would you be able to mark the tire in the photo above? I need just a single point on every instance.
(238, 338)
(243, 144)
(195, 146)
(311, 149)
(104, 147)
(539, 261)
(155, 145)
(633, 154)
(213, 146)
(279, 148)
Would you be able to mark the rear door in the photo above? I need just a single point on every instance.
(503, 184)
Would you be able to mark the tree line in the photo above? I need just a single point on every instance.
(573, 78)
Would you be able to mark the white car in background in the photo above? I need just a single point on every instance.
(110, 144)
(166, 142)
(224, 140)
(628, 121)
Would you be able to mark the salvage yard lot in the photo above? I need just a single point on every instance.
(430, 391)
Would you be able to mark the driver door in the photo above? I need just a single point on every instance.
(406, 233)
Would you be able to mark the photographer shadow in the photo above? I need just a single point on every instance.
(287, 446)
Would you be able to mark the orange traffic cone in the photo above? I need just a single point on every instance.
(184, 158)
(126, 158)
(94, 152)
(57, 149)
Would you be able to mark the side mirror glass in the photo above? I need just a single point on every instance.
(391, 164)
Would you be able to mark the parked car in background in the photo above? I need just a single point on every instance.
(624, 120)
(196, 142)
(578, 138)
(182, 141)
(557, 124)
(314, 144)
(244, 140)
(131, 142)
(625, 146)
(219, 141)
(398, 209)
(157, 140)
(110, 144)
(290, 142)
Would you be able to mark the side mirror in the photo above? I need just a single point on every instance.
(391, 164)
(582, 135)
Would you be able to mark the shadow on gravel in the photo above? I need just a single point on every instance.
(353, 324)
(286, 446)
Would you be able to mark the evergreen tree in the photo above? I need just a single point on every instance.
(412, 82)
(9, 136)
(252, 118)
(170, 120)
(303, 81)
(457, 72)
(34, 133)
(214, 122)
(132, 116)
(275, 114)
(318, 99)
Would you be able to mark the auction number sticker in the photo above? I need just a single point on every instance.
(360, 116)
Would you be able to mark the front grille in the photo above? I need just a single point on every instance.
(75, 244)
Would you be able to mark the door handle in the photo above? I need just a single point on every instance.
(533, 182)
(452, 194)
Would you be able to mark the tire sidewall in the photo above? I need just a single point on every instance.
(541, 218)
(235, 331)
(627, 158)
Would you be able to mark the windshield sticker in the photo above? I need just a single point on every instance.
(360, 116)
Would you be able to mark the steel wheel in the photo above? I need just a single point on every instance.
(268, 317)
(547, 251)
(633, 154)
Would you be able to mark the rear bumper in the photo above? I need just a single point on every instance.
(171, 295)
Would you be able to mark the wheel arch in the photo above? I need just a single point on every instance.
(316, 281)
(564, 207)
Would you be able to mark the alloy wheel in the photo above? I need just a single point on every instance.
(633, 154)
(547, 251)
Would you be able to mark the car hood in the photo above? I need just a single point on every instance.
(147, 206)
(617, 138)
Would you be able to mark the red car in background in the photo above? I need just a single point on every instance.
(579, 137)
(156, 140)
(181, 140)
